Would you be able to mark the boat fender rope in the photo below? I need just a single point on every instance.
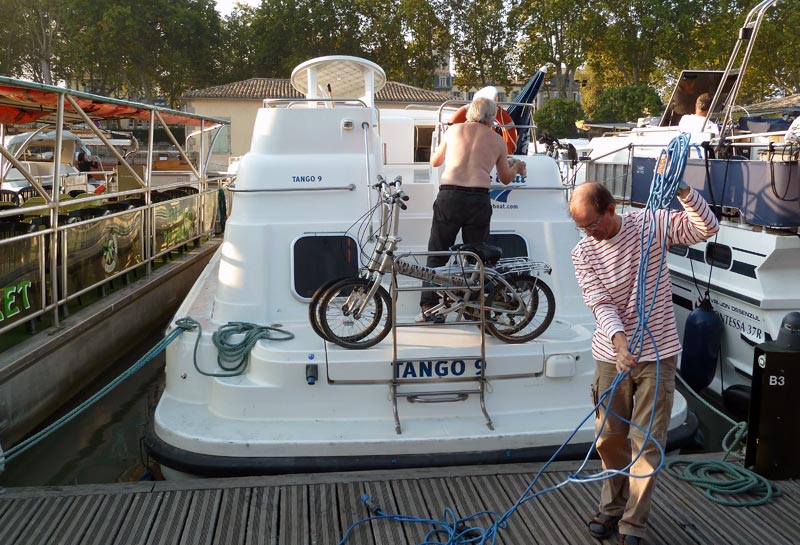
(233, 355)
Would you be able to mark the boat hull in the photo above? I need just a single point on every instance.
(179, 463)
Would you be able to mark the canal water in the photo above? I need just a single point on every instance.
(103, 444)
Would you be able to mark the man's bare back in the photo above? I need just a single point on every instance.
(469, 151)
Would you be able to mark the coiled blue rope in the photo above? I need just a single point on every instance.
(457, 531)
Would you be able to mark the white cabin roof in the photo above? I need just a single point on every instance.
(339, 77)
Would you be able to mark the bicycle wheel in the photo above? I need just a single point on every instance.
(512, 324)
(339, 318)
(313, 306)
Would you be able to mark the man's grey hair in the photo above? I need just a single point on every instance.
(482, 110)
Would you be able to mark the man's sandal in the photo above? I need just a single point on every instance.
(602, 526)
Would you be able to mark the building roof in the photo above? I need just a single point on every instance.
(776, 105)
(263, 88)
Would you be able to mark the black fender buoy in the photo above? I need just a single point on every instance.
(702, 335)
(736, 400)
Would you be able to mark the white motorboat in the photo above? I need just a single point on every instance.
(750, 175)
(431, 394)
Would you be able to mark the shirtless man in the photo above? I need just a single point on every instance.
(469, 151)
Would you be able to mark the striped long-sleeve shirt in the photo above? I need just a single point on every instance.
(607, 272)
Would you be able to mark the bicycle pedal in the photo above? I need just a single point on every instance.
(437, 318)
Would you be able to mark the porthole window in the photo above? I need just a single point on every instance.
(679, 249)
(719, 255)
(319, 258)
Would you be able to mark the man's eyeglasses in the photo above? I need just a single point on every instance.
(592, 226)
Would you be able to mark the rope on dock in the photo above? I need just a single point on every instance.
(720, 478)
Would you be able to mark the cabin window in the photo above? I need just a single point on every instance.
(423, 137)
(319, 258)
(512, 244)
(719, 255)
(679, 249)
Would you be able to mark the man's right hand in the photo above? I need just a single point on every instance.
(625, 360)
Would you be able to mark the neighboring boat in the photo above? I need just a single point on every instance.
(750, 175)
(304, 404)
(62, 245)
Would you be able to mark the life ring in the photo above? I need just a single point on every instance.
(505, 125)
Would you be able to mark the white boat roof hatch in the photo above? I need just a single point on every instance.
(339, 77)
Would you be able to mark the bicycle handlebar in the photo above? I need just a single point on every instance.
(390, 191)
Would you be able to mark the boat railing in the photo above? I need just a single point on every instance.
(349, 187)
(453, 105)
(98, 239)
(306, 102)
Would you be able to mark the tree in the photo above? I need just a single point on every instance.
(187, 51)
(238, 50)
(428, 40)
(774, 67)
(481, 43)
(557, 118)
(556, 33)
(108, 51)
(10, 50)
(39, 27)
(636, 35)
(627, 104)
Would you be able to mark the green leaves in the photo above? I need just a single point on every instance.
(557, 118)
(150, 48)
(627, 103)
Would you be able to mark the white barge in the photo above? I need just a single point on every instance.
(305, 404)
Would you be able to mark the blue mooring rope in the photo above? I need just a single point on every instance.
(24, 445)
(457, 531)
(232, 357)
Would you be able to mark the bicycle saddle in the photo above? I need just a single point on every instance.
(489, 254)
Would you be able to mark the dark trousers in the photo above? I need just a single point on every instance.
(455, 210)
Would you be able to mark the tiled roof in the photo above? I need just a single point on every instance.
(776, 104)
(261, 88)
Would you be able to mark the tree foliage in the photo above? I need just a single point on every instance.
(555, 33)
(557, 118)
(635, 35)
(627, 104)
(162, 48)
(481, 43)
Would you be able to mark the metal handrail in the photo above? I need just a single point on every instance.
(348, 187)
(59, 297)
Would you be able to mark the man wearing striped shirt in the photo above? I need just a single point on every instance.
(607, 267)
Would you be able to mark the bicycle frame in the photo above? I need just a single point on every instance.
(458, 287)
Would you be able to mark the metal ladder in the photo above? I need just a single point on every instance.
(441, 396)
(747, 37)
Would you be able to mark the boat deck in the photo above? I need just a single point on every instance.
(317, 509)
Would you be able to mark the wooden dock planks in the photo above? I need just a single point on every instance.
(318, 509)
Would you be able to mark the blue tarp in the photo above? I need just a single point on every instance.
(521, 114)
